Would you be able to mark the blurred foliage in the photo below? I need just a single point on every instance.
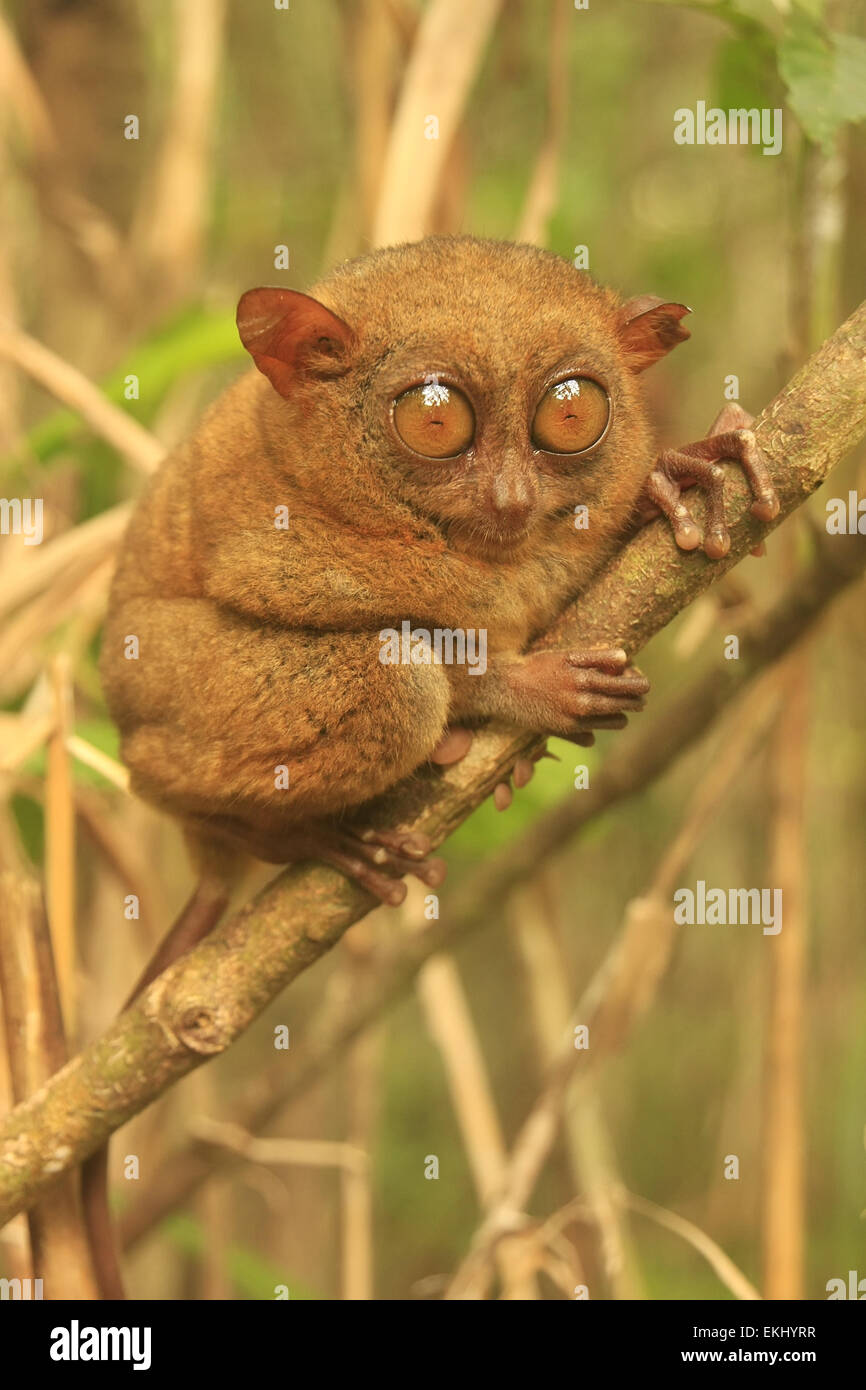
(252, 1277)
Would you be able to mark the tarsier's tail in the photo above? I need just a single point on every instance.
(217, 873)
(97, 1223)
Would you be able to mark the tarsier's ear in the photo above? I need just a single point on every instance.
(650, 327)
(290, 335)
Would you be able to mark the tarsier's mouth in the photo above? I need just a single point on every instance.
(486, 537)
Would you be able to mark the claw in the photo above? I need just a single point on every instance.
(717, 544)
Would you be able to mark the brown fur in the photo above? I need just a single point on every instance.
(259, 647)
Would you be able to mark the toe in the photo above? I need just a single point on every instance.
(523, 770)
(452, 746)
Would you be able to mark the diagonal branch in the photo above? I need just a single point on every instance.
(206, 1000)
(637, 760)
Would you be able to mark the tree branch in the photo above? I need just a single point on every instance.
(636, 760)
(207, 999)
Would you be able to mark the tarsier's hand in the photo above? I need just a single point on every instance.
(730, 437)
(569, 693)
(563, 693)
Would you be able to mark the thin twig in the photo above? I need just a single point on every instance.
(79, 592)
(304, 1153)
(446, 53)
(592, 1161)
(89, 229)
(36, 1047)
(87, 544)
(21, 736)
(60, 843)
(732, 1277)
(171, 218)
(74, 389)
(107, 767)
(542, 192)
(784, 1157)
(362, 1079)
(449, 1021)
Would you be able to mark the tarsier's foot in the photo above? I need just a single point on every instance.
(731, 437)
(364, 854)
(376, 859)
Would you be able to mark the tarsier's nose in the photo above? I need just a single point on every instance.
(512, 497)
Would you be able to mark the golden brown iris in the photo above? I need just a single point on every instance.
(435, 420)
(571, 416)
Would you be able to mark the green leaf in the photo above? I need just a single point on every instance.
(764, 12)
(814, 8)
(851, 76)
(746, 16)
(825, 74)
(746, 76)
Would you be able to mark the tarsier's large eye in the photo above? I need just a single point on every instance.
(571, 416)
(434, 420)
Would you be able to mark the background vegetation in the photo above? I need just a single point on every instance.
(261, 128)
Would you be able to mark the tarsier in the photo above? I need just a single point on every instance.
(427, 422)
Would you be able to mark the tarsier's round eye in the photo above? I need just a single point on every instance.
(434, 420)
(571, 416)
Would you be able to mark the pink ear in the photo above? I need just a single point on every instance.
(649, 328)
(289, 334)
